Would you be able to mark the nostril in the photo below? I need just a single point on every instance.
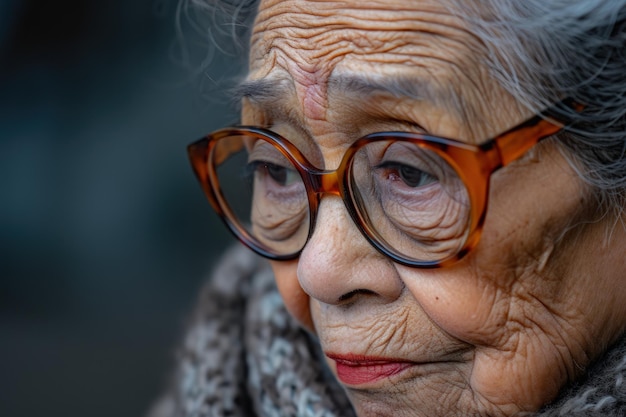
(352, 294)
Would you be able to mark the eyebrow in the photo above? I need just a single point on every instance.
(263, 90)
(271, 90)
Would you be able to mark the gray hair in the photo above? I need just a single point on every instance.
(543, 50)
(540, 51)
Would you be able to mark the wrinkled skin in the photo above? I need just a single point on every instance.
(505, 328)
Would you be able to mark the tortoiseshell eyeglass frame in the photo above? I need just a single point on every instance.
(473, 163)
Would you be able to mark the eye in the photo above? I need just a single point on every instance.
(281, 175)
(411, 176)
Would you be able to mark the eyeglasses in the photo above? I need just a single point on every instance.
(418, 199)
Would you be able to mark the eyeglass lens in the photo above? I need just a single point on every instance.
(408, 198)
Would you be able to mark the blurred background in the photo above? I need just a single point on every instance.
(105, 236)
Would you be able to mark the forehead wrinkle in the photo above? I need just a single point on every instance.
(308, 40)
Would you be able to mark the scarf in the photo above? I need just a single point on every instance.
(244, 355)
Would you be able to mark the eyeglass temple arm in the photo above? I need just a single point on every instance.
(517, 141)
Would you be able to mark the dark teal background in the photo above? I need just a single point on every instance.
(105, 236)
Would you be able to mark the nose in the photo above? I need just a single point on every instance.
(338, 265)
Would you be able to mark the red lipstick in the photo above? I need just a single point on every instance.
(358, 370)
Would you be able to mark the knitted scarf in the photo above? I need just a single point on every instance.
(243, 355)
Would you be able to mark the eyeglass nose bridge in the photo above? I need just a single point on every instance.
(325, 182)
(322, 183)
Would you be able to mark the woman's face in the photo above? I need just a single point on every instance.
(505, 328)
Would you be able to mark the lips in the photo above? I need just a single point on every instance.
(359, 370)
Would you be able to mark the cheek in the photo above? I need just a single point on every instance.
(295, 299)
(462, 305)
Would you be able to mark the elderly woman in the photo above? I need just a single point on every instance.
(439, 189)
